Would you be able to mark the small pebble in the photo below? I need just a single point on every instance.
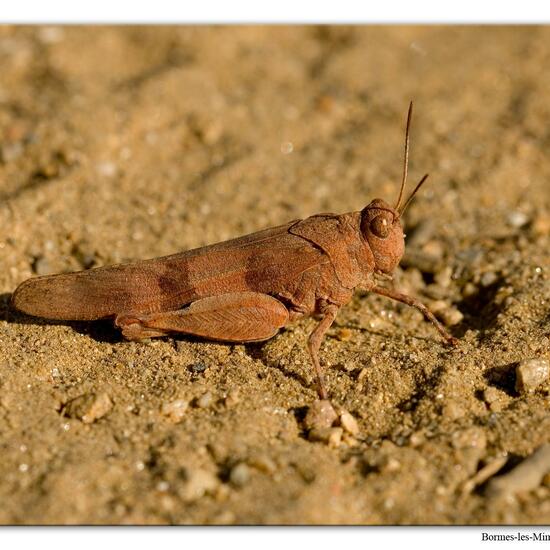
(438, 305)
(198, 483)
(450, 316)
(107, 169)
(444, 276)
(174, 410)
(349, 440)
(287, 147)
(361, 376)
(453, 410)
(239, 475)
(331, 436)
(470, 438)
(517, 219)
(469, 290)
(320, 414)
(488, 278)
(434, 249)
(101, 405)
(319, 434)
(89, 407)
(204, 401)
(263, 463)
(349, 423)
(530, 374)
(391, 465)
(335, 437)
(417, 438)
(163, 486)
(41, 266)
(232, 398)
(493, 398)
(344, 334)
(197, 368)
(491, 394)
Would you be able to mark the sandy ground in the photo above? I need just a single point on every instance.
(131, 143)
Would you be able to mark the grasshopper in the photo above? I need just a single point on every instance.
(244, 289)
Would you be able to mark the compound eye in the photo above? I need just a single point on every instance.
(380, 226)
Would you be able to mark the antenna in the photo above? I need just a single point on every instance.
(406, 157)
(418, 185)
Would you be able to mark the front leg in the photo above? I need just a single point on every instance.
(390, 293)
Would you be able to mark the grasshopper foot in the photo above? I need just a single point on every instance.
(451, 340)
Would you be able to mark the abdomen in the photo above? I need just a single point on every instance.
(266, 262)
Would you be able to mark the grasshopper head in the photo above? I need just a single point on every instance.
(381, 224)
(381, 228)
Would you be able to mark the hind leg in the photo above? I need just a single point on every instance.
(133, 330)
(233, 317)
(314, 343)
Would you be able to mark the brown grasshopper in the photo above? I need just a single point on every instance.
(244, 289)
